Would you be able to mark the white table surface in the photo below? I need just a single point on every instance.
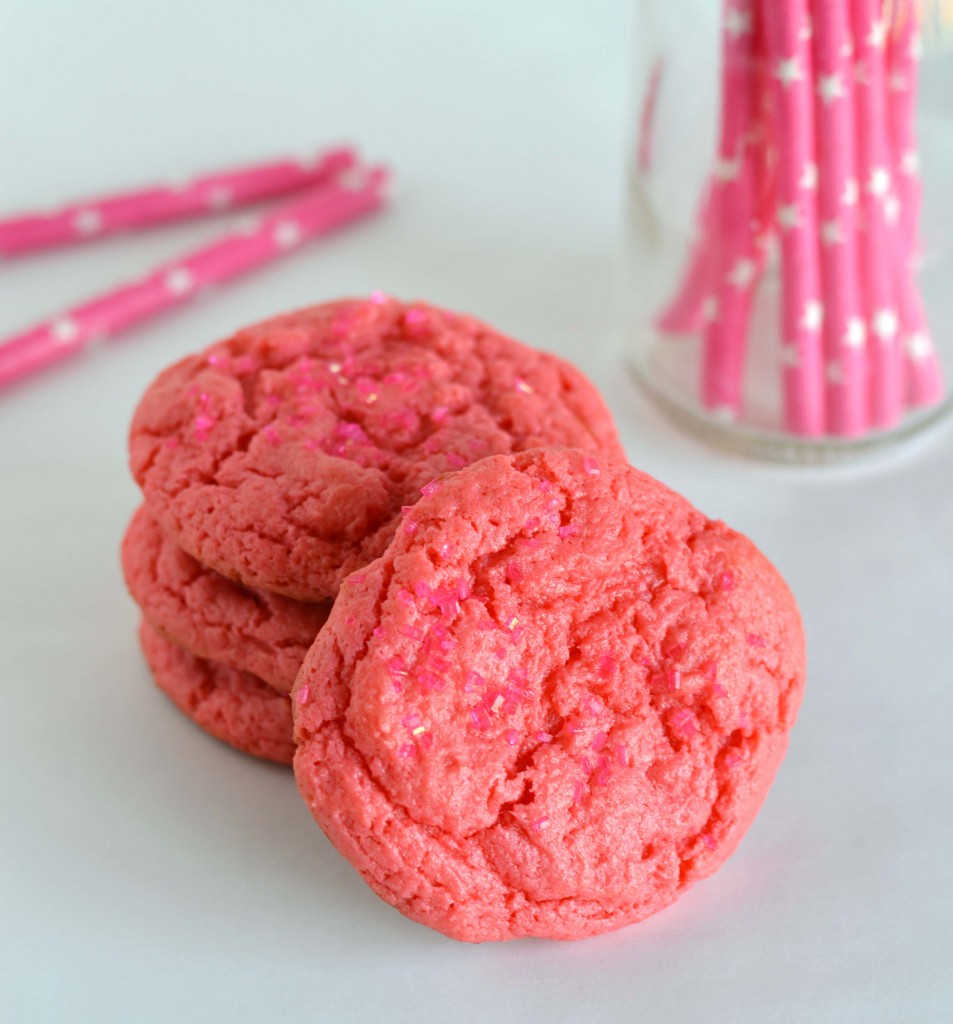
(148, 873)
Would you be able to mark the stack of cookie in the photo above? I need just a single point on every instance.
(277, 462)
(526, 689)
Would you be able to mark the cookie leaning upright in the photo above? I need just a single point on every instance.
(281, 457)
(556, 701)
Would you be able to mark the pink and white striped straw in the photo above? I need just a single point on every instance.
(844, 326)
(903, 42)
(356, 193)
(787, 34)
(877, 197)
(146, 207)
(741, 255)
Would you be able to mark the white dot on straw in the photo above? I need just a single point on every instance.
(898, 81)
(87, 222)
(179, 281)
(879, 183)
(830, 87)
(856, 333)
(219, 197)
(727, 169)
(743, 273)
(737, 22)
(813, 316)
(64, 330)
(287, 234)
(807, 33)
(885, 324)
(919, 346)
(789, 71)
(353, 179)
(711, 307)
(910, 163)
(790, 356)
(851, 192)
(809, 177)
(878, 35)
(892, 209)
(834, 373)
(831, 233)
(789, 216)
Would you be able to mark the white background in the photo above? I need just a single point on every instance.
(148, 873)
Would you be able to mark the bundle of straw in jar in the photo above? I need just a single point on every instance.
(818, 149)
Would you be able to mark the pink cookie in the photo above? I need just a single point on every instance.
(249, 630)
(555, 703)
(235, 707)
(281, 457)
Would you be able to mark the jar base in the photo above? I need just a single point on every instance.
(780, 447)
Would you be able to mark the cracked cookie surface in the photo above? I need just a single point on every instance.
(235, 707)
(212, 617)
(556, 701)
(281, 456)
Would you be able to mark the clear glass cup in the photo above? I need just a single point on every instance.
(679, 160)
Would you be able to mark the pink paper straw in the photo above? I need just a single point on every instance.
(685, 313)
(99, 218)
(923, 375)
(357, 193)
(740, 257)
(876, 188)
(844, 328)
(802, 358)
(902, 82)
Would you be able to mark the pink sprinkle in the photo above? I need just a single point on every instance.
(606, 666)
(572, 726)
(439, 413)
(425, 740)
(599, 741)
(479, 717)
(172, 443)
(521, 385)
(673, 679)
(217, 360)
(514, 572)
(397, 666)
(672, 650)
(378, 632)
(378, 298)
(579, 791)
(410, 527)
(744, 722)
(415, 317)
(304, 695)
(709, 841)
(684, 722)
(421, 589)
(539, 823)
(756, 641)
(405, 596)
(731, 759)
(412, 632)
(271, 434)
(534, 542)
(411, 721)
(457, 461)
(727, 581)
(545, 486)
(445, 550)
(512, 737)
(463, 589)
(544, 737)
(531, 523)
(429, 681)
(593, 706)
(719, 691)
(590, 465)
(517, 674)
(711, 671)
(567, 531)
(203, 424)
(602, 774)
(428, 489)
(407, 750)
(404, 509)
(473, 681)
(497, 704)
(245, 364)
(500, 653)
(621, 754)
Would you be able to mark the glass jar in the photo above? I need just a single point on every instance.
(788, 212)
